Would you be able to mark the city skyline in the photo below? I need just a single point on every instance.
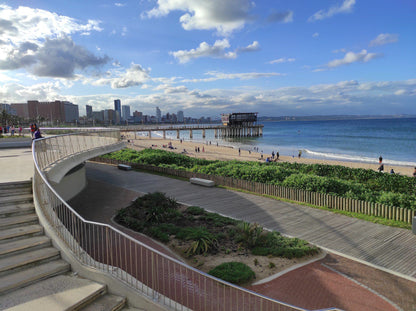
(330, 57)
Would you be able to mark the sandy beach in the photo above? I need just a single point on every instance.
(213, 152)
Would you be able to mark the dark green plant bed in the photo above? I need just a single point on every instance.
(362, 184)
(234, 272)
(196, 235)
(201, 232)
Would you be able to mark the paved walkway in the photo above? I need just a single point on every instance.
(386, 247)
(15, 164)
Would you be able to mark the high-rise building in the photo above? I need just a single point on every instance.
(71, 112)
(88, 110)
(125, 112)
(117, 109)
(117, 105)
(158, 115)
(180, 116)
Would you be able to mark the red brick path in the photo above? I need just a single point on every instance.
(316, 287)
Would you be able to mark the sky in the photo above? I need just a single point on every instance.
(207, 57)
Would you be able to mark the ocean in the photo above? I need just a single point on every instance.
(362, 140)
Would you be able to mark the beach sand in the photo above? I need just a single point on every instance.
(214, 152)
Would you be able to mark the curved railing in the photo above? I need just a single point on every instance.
(100, 246)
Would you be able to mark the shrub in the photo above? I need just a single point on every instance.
(275, 244)
(202, 240)
(234, 272)
(157, 207)
(195, 210)
(249, 234)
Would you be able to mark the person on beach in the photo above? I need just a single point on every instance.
(239, 152)
(273, 154)
(414, 172)
(300, 154)
(380, 159)
(381, 168)
(277, 155)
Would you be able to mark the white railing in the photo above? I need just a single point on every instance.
(156, 275)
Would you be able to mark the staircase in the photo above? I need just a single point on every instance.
(32, 274)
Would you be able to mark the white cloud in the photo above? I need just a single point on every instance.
(133, 76)
(315, 35)
(218, 50)
(205, 50)
(400, 92)
(223, 16)
(384, 38)
(345, 7)
(282, 60)
(169, 89)
(255, 46)
(58, 58)
(118, 4)
(215, 76)
(352, 57)
(48, 51)
(18, 25)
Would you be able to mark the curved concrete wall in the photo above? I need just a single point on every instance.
(72, 183)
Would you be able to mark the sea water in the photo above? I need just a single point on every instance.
(359, 140)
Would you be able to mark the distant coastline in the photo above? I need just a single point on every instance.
(333, 117)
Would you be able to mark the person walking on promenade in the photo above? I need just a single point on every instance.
(38, 134)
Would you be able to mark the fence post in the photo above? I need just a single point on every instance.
(414, 224)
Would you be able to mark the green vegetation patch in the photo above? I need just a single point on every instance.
(234, 272)
(356, 183)
(200, 232)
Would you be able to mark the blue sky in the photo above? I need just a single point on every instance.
(210, 57)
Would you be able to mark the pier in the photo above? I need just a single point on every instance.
(220, 130)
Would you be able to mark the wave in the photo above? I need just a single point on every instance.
(354, 158)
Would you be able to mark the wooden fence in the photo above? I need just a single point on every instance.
(298, 195)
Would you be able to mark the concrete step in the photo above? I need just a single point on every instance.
(106, 302)
(13, 234)
(19, 246)
(16, 221)
(25, 260)
(62, 292)
(16, 199)
(16, 185)
(15, 191)
(32, 275)
(16, 209)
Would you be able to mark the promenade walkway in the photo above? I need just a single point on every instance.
(386, 247)
(393, 249)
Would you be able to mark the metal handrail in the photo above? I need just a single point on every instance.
(107, 249)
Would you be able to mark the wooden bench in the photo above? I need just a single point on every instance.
(124, 167)
(202, 182)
